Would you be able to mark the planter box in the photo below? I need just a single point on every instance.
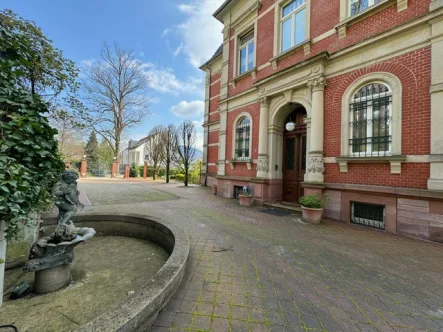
(310, 215)
(214, 190)
(246, 200)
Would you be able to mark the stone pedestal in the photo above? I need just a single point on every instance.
(127, 171)
(114, 169)
(50, 280)
(83, 168)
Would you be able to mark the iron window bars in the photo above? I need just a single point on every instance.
(243, 134)
(370, 121)
(371, 215)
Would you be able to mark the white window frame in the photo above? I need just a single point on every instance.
(247, 53)
(283, 19)
(278, 22)
(394, 84)
(369, 117)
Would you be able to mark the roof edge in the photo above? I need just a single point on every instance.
(220, 10)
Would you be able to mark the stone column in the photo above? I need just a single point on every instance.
(315, 163)
(221, 170)
(263, 157)
(435, 182)
(127, 171)
(83, 168)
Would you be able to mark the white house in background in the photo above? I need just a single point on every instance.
(134, 153)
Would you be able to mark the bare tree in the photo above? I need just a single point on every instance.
(154, 148)
(70, 135)
(169, 147)
(185, 139)
(116, 90)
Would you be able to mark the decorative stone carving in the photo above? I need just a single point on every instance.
(263, 164)
(316, 165)
(264, 101)
(317, 83)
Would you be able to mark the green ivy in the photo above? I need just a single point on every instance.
(29, 160)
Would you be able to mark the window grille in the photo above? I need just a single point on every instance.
(243, 133)
(370, 215)
(370, 121)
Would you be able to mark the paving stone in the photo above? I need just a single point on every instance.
(201, 322)
(339, 276)
(240, 326)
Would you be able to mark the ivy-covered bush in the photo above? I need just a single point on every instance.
(180, 177)
(29, 161)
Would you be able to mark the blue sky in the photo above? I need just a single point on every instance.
(173, 37)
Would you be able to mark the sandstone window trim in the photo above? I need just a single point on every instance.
(280, 4)
(346, 19)
(395, 157)
(247, 160)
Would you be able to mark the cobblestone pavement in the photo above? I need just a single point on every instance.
(251, 271)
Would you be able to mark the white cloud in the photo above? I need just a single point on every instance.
(188, 109)
(178, 49)
(165, 32)
(201, 32)
(163, 79)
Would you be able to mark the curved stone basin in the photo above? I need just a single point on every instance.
(133, 308)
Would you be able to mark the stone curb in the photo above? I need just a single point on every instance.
(138, 311)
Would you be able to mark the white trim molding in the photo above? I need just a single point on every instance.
(395, 157)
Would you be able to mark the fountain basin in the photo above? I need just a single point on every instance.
(137, 310)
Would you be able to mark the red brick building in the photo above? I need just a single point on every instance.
(341, 97)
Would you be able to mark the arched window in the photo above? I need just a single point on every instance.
(242, 138)
(370, 120)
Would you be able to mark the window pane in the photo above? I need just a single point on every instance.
(243, 60)
(250, 56)
(290, 157)
(289, 8)
(300, 26)
(358, 6)
(286, 35)
(247, 38)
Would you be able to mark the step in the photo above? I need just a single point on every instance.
(284, 207)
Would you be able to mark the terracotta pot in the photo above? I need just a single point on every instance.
(246, 200)
(214, 190)
(312, 216)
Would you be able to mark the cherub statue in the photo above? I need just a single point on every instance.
(68, 202)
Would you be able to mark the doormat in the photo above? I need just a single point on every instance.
(274, 212)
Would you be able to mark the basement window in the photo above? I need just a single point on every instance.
(370, 215)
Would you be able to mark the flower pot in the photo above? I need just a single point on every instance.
(214, 190)
(246, 200)
(312, 216)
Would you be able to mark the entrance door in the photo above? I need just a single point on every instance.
(294, 157)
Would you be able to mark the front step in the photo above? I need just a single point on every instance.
(284, 207)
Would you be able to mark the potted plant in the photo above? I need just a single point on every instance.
(246, 199)
(312, 207)
(214, 189)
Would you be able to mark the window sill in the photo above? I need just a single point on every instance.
(248, 163)
(252, 72)
(305, 45)
(343, 25)
(395, 162)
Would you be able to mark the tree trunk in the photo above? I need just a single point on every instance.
(186, 176)
(2, 258)
(167, 171)
(153, 172)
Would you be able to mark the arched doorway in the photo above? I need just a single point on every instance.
(294, 156)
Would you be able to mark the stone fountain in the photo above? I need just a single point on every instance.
(51, 256)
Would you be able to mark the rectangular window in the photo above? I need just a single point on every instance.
(246, 53)
(293, 29)
(371, 215)
(357, 6)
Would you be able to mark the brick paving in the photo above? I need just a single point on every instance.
(251, 271)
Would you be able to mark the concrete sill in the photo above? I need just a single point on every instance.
(395, 162)
(306, 45)
(248, 163)
(252, 72)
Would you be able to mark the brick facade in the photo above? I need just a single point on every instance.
(387, 39)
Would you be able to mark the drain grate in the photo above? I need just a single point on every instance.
(274, 212)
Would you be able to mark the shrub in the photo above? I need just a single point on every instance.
(141, 170)
(313, 201)
(133, 171)
(180, 177)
